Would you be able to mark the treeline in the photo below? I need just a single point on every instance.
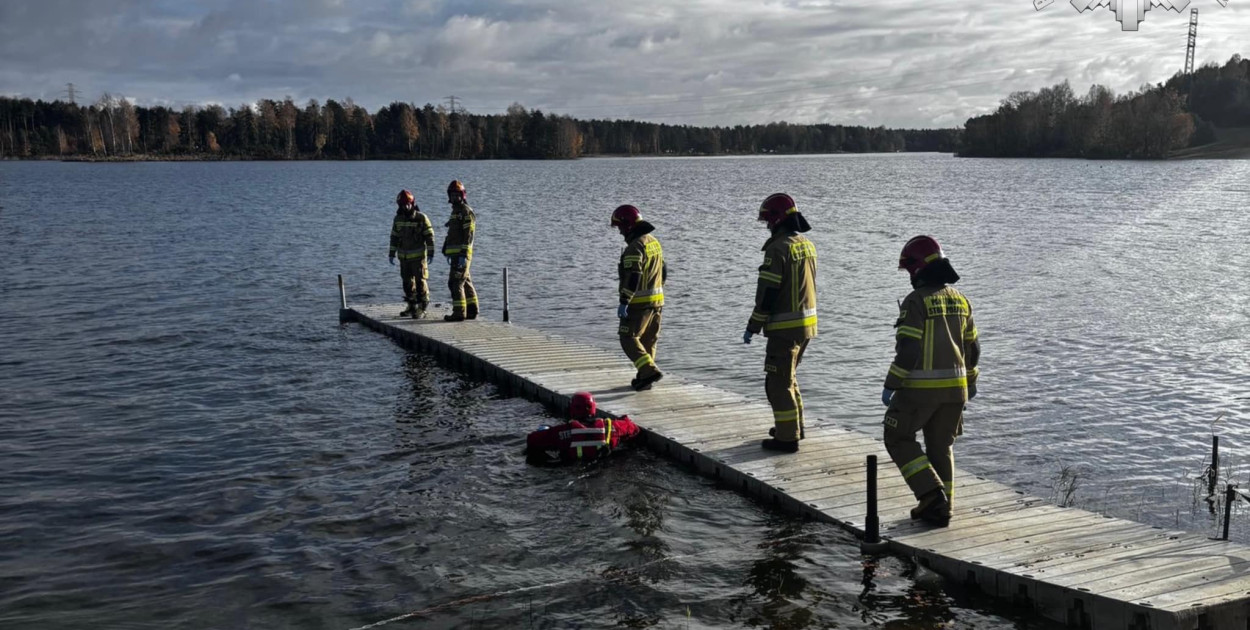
(1150, 123)
(269, 129)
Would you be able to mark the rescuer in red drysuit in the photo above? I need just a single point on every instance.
(583, 438)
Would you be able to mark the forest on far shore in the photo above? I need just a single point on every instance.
(114, 128)
(1154, 122)
(1151, 123)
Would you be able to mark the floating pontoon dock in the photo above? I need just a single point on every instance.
(1076, 567)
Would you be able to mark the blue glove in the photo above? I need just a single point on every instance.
(887, 395)
(746, 336)
(462, 262)
(429, 259)
(972, 391)
(622, 311)
(450, 260)
(392, 258)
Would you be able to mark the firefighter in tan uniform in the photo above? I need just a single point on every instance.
(642, 274)
(412, 240)
(458, 248)
(934, 373)
(785, 309)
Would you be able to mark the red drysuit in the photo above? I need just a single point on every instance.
(579, 440)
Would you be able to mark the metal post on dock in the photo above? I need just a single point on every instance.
(342, 300)
(1215, 465)
(1230, 494)
(505, 295)
(872, 526)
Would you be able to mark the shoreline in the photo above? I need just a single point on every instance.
(240, 158)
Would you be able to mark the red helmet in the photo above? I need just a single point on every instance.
(918, 253)
(625, 217)
(405, 198)
(455, 191)
(776, 208)
(582, 406)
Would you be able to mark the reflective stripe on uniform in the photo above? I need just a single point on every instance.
(910, 469)
(645, 359)
(605, 431)
(791, 415)
(769, 277)
(467, 250)
(647, 296)
(935, 379)
(783, 321)
(757, 316)
(898, 371)
(970, 335)
(928, 361)
(409, 254)
(909, 331)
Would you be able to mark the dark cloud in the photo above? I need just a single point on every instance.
(901, 63)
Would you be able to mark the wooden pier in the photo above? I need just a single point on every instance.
(1076, 567)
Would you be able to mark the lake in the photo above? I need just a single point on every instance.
(188, 437)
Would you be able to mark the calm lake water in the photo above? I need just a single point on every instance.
(188, 438)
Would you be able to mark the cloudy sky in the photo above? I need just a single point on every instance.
(899, 63)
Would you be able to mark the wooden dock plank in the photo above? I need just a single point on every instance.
(1068, 564)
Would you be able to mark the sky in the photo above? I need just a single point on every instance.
(898, 63)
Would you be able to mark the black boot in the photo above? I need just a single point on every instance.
(933, 509)
(802, 432)
(470, 312)
(412, 308)
(419, 311)
(454, 317)
(645, 382)
(779, 445)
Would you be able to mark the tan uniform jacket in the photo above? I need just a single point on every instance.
(785, 297)
(460, 228)
(936, 347)
(412, 236)
(645, 257)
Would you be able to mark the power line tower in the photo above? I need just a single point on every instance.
(70, 93)
(1193, 41)
(458, 127)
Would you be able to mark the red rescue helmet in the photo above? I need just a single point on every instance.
(455, 191)
(776, 208)
(918, 253)
(405, 198)
(624, 217)
(582, 406)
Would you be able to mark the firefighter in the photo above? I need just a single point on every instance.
(642, 274)
(785, 310)
(934, 373)
(412, 240)
(584, 438)
(458, 248)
